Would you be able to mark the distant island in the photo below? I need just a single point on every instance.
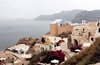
(74, 16)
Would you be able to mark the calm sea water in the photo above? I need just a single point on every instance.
(12, 30)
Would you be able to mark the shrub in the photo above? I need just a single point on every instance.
(88, 56)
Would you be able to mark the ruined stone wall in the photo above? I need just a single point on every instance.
(66, 28)
(54, 29)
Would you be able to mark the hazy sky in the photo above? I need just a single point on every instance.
(11, 9)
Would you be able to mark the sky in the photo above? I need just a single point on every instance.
(29, 9)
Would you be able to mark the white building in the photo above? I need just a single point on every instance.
(20, 48)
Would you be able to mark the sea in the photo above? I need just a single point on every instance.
(12, 30)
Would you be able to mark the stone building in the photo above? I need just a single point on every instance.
(59, 28)
(86, 32)
(42, 47)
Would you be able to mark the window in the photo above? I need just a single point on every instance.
(22, 64)
(60, 24)
(83, 30)
(42, 49)
(89, 34)
(50, 47)
(76, 29)
(99, 30)
(75, 42)
(80, 34)
(92, 39)
(98, 24)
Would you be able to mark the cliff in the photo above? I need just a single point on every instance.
(74, 16)
(65, 15)
(88, 16)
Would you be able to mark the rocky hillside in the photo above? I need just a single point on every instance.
(89, 56)
(65, 15)
(88, 15)
(74, 16)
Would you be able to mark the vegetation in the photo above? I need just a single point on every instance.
(90, 55)
(47, 56)
(58, 55)
(38, 58)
